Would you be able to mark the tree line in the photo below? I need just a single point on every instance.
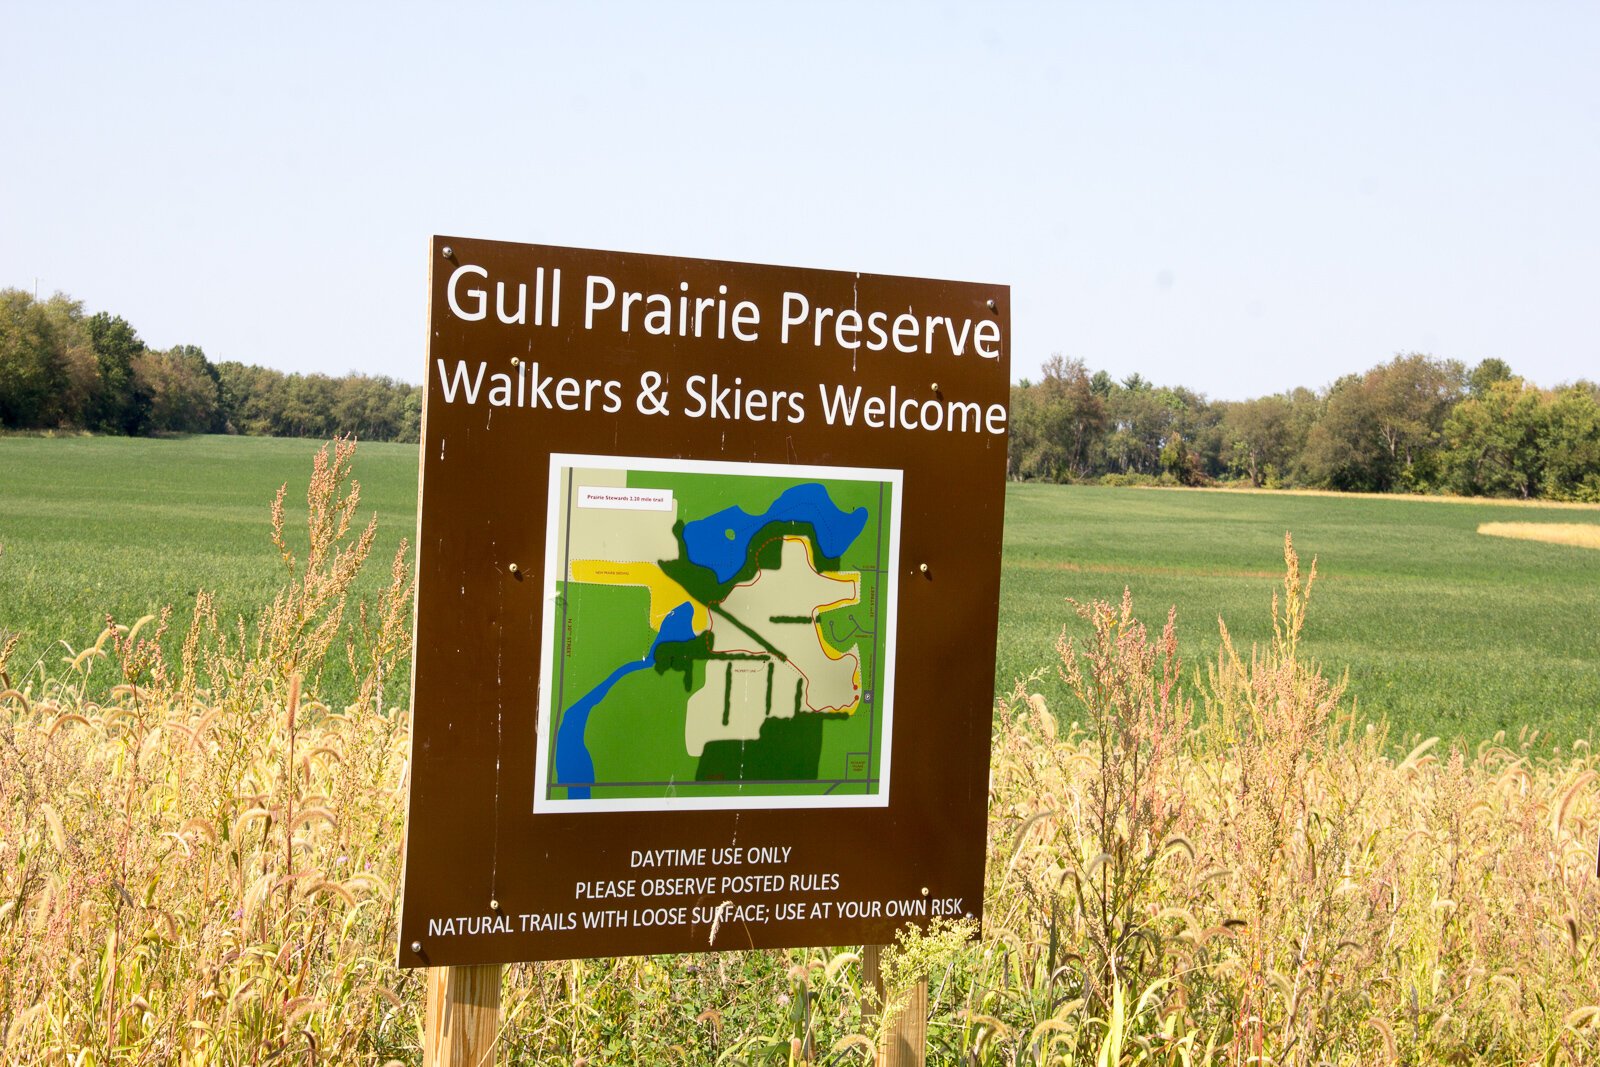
(64, 369)
(1413, 424)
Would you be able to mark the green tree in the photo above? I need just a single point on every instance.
(1142, 417)
(1074, 416)
(1486, 374)
(182, 388)
(371, 408)
(1492, 442)
(1026, 441)
(1178, 461)
(1411, 398)
(1132, 437)
(1056, 423)
(246, 398)
(123, 405)
(1382, 430)
(1258, 436)
(1569, 445)
(45, 377)
(62, 369)
(81, 386)
(1343, 449)
(307, 408)
(411, 422)
(1199, 421)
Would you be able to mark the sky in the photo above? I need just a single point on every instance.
(1240, 198)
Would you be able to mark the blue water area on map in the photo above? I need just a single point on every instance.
(721, 541)
(573, 762)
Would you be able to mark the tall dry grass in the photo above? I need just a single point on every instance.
(202, 868)
(1297, 893)
(1576, 534)
(1222, 866)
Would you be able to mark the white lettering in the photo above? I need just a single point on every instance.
(590, 305)
(791, 317)
(521, 316)
(987, 331)
(481, 296)
(450, 384)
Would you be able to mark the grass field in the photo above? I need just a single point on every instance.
(1443, 630)
(91, 526)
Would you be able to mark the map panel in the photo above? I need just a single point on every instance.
(717, 635)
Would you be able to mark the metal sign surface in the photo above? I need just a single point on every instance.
(707, 582)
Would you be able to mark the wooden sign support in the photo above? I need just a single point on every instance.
(461, 1026)
(905, 1043)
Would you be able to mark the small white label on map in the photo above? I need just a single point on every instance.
(622, 499)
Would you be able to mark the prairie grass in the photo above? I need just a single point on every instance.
(1576, 534)
(1221, 866)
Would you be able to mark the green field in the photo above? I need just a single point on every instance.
(1443, 630)
(91, 526)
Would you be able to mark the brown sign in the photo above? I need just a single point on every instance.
(708, 571)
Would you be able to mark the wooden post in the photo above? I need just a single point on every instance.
(905, 1044)
(462, 1025)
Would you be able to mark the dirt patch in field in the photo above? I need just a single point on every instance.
(1577, 534)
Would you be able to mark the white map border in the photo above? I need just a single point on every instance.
(889, 609)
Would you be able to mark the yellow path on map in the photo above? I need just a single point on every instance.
(665, 594)
(852, 580)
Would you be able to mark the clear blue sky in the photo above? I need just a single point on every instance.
(1240, 198)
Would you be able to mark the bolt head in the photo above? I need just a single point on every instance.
(450, 253)
(416, 946)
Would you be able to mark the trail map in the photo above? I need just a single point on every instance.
(717, 635)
